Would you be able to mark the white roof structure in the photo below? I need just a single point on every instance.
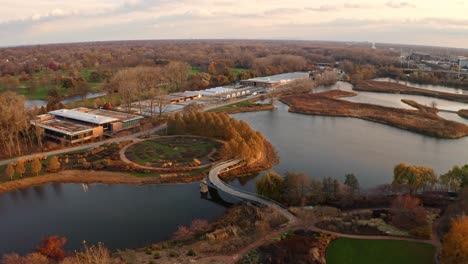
(81, 116)
(284, 77)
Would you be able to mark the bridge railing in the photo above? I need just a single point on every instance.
(247, 192)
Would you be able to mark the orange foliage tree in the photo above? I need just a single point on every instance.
(407, 212)
(455, 247)
(52, 247)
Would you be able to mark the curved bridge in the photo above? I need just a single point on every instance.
(216, 182)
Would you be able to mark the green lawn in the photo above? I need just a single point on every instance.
(194, 70)
(236, 71)
(362, 251)
(41, 92)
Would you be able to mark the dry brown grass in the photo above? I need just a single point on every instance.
(419, 121)
(463, 113)
(388, 87)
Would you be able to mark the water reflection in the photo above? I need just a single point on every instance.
(120, 216)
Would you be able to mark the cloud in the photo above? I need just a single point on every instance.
(399, 4)
(283, 11)
(323, 8)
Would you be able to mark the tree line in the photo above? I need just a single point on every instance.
(240, 139)
(298, 189)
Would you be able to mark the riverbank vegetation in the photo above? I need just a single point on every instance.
(463, 113)
(419, 121)
(244, 106)
(396, 88)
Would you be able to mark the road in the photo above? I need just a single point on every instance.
(214, 179)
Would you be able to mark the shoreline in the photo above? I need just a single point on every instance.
(420, 120)
(396, 88)
(77, 176)
(111, 177)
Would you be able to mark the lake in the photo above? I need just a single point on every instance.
(120, 216)
(134, 216)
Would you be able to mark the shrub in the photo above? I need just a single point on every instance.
(183, 233)
(156, 255)
(173, 254)
(199, 226)
(148, 251)
(52, 248)
(54, 164)
(93, 254)
(191, 253)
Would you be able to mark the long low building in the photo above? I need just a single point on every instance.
(276, 80)
(82, 124)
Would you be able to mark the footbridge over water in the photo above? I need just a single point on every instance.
(215, 182)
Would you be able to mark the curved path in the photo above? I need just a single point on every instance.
(215, 181)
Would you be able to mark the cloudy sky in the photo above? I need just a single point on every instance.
(429, 22)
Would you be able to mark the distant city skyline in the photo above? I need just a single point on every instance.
(419, 22)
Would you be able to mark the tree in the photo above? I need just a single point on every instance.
(54, 164)
(316, 192)
(352, 182)
(416, 177)
(407, 212)
(296, 187)
(36, 166)
(82, 88)
(455, 178)
(20, 168)
(10, 171)
(455, 244)
(14, 124)
(270, 185)
(52, 248)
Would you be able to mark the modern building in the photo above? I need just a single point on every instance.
(275, 80)
(82, 124)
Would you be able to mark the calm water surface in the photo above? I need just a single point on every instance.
(133, 216)
(120, 216)
(334, 146)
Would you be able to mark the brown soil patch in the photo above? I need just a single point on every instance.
(420, 121)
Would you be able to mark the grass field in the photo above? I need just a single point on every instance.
(363, 251)
(41, 91)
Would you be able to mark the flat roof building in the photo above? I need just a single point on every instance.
(275, 80)
(82, 124)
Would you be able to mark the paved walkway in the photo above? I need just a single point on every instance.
(214, 180)
(87, 146)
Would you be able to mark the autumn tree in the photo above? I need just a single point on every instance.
(407, 212)
(36, 166)
(54, 164)
(352, 182)
(316, 191)
(270, 185)
(82, 88)
(416, 177)
(455, 243)
(20, 168)
(14, 124)
(296, 187)
(9, 171)
(455, 178)
(52, 248)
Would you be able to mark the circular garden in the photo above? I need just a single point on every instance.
(174, 153)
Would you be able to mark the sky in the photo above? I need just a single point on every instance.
(425, 22)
